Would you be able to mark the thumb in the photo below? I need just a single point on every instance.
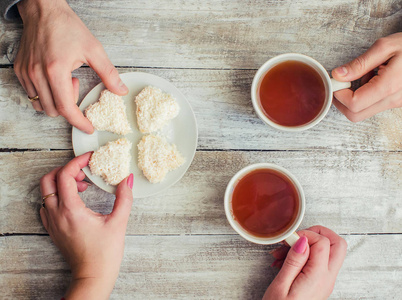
(99, 61)
(124, 199)
(376, 55)
(294, 263)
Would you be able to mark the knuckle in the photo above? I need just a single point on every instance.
(353, 117)
(62, 109)
(343, 245)
(51, 113)
(60, 175)
(354, 106)
(96, 46)
(43, 179)
(53, 67)
(17, 66)
(359, 63)
(323, 244)
(111, 71)
(317, 227)
(291, 262)
(382, 44)
(33, 71)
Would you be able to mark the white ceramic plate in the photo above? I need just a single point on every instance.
(181, 131)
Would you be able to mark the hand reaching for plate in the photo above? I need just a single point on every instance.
(55, 42)
(92, 244)
(378, 92)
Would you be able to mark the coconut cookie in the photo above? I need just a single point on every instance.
(112, 161)
(156, 157)
(109, 114)
(154, 109)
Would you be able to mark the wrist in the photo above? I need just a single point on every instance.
(36, 9)
(89, 288)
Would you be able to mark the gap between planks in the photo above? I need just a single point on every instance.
(201, 234)
(12, 150)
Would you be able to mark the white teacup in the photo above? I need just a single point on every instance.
(331, 85)
(290, 235)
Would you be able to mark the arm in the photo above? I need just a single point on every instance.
(91, 243)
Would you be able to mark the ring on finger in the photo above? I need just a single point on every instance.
(33, 99)
(47, 196)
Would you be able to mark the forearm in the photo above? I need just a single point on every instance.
(89, 288)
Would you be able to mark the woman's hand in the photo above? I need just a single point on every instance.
(55, 42)
(309, 268)
(377, 92)
(92, 244)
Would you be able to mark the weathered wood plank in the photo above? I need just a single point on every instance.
(351, 192)
(225, 117)
(200, 267)
(227, 34)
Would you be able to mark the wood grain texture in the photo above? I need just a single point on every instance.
(225, 117)
(197, 267)
(350, 192)
(227, 34)
(179, 244)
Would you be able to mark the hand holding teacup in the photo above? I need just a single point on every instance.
(377, 92)
(309, 269)
(265, 204)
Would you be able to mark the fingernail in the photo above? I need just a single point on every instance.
(341, 71)
(122, 86)
(88, 183)
(130, 181)
(301, 245)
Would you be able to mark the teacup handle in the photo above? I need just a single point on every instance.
(339, 85)
(292, 239)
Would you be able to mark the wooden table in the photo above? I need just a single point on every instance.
(179, 244)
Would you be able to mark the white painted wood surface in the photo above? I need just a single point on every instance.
(196, 266)
(180, 246)
(225, 117)
(350, 192)
(228, 33)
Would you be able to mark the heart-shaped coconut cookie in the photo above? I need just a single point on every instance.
(156, 157)
(154, 109)
(109, 113)
(112, 161)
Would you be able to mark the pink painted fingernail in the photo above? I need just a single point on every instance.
(342, 71)
(130, 181)
(301, 245)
